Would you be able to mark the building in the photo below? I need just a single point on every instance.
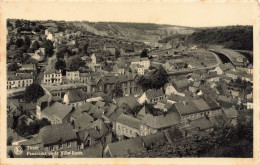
(55, 112)
(75, 98)
(72, 75)
(141, 61)
(230, 115)
(52, 76)
(15, 80)
(151, 96)
(59, 138)
(128, 126)
(124, 148)
(195, 109)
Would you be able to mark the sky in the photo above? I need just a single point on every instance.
(193, 14)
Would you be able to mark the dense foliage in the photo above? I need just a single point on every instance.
(154, 81)
(33, 92)
(75, 62)
(33, 128)
(233, 37)
(224, 141)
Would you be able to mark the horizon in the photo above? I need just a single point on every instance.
(193, 14)
(46, 20)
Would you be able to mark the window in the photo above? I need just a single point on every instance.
(60, 146)
(68, 144)
(51, 148)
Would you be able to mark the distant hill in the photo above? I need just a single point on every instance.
(232, 37)
(133, 31)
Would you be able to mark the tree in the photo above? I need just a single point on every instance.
(27, 42)
(13, 67)
(117, 91)
(19, 42)
(144, 53)
(35, 46)
(48, 45)
(75, 62)
(33, 92)
(10, 140)
(117, 54)
(83, 48)
(62, 50)
(158, 79)
(18, 23)
(60, 64)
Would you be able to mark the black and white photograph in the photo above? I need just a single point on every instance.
(115, 88)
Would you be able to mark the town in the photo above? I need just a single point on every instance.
(74, 93)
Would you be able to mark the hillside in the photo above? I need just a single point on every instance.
(133, 31)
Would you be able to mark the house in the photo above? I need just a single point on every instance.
(55, 112)
(141, 61)
(195, 109)
(139, 69)
(93, 134)
(59, 138)
(169, 89)
(82, 121)
(52, 76)
(124, 148)
(119, 69)
(72, 75)
(28, 67)
(127, 126)
(249, 104)
(232, 74)
(230, 115)
(129, 101)
(75, 98)
(79, 111)
(180, 84)
(15, 80)
(13, 107)
(202, 124)
(151, 124)
(174, 98)
(151, 96)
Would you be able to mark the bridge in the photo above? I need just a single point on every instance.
(186, 71)
(228, 55)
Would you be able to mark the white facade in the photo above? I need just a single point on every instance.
(145, 63)
(72, 75)
(52, 78)
(21, 83)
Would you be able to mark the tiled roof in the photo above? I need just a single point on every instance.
(129, 120)
(13, 76)
(152, 139)
(111, 109)
(202, 123)
(57, 109)
(230, 112)
(161, 121)
(83, 121)
(126, 147)
(152, 93)
(51, 71)
(187, 108)
(129, 100)
(76, 96)
(82, 108)
(52, 134)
